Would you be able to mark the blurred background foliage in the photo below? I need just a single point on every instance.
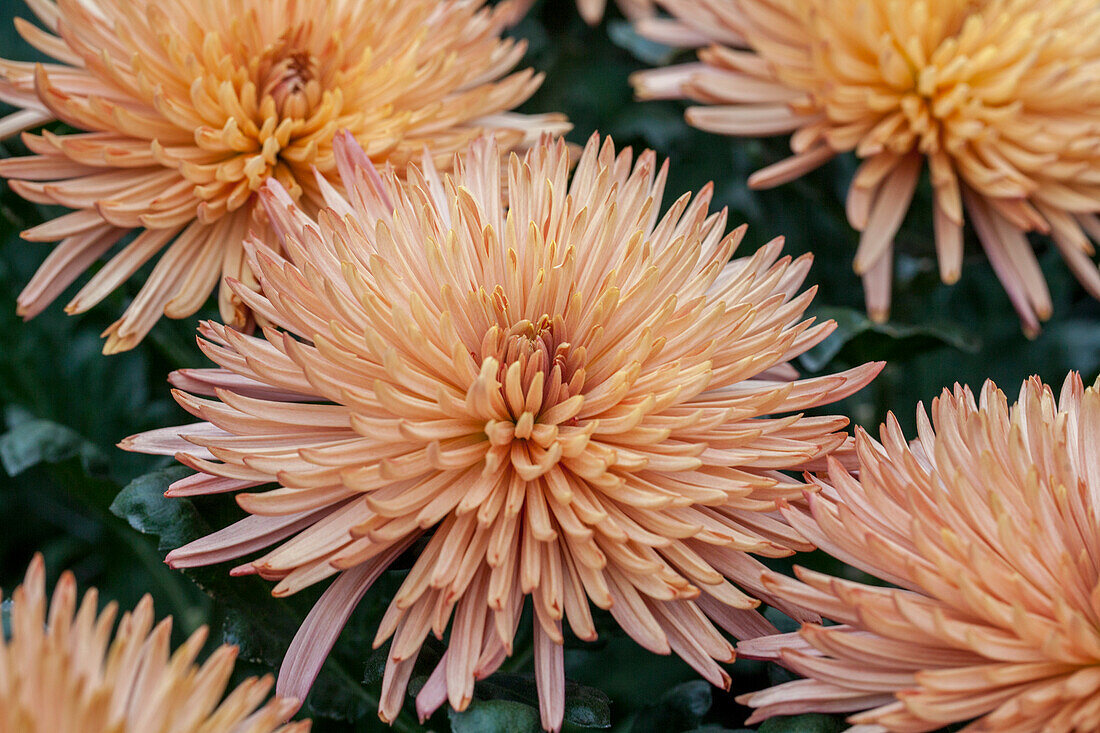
(69, 492)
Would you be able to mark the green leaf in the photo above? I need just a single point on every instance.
(375, 668)
(851, 324)
(624, 36)
(495, 716)
(811, 723)
(143, 504)
(30, 441)
(661, 125)
(680, 709)
(260, 625)
(260, 631)
(585, 707)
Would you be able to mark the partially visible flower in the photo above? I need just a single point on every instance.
(184, 109)
(999, 97)
(566, 394)
(62, 672)
(989, 527)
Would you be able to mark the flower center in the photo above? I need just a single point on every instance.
(533, 394)
(538, 370)
(291, 81)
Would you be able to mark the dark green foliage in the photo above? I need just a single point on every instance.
(803, 724)
(496, 716)
(682, 708)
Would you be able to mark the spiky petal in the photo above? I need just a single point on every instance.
(568, 395)
(987, 526)
(62, 672)
(184, 109)
(997, 99)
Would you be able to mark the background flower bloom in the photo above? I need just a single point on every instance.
(998, 96)
(61, 672)
(185, 109)
(987, 525)
(566, 395)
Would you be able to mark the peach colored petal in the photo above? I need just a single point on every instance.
(569, 394)
(62, 669)
(894, 86)
(166, 146)
(986, 524)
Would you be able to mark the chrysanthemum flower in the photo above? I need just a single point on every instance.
(998, 96)
(186, 108)
(61, 672)
(563, 393)
(989, 527)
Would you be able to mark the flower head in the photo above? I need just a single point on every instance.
(567, 395)
(998, 96)
(61, 672)
(988, 527)
(184, 109)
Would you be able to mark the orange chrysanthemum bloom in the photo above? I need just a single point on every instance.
(567, 395)
(186, 108)
(989, 526)
(998, 96)
(61, 672)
